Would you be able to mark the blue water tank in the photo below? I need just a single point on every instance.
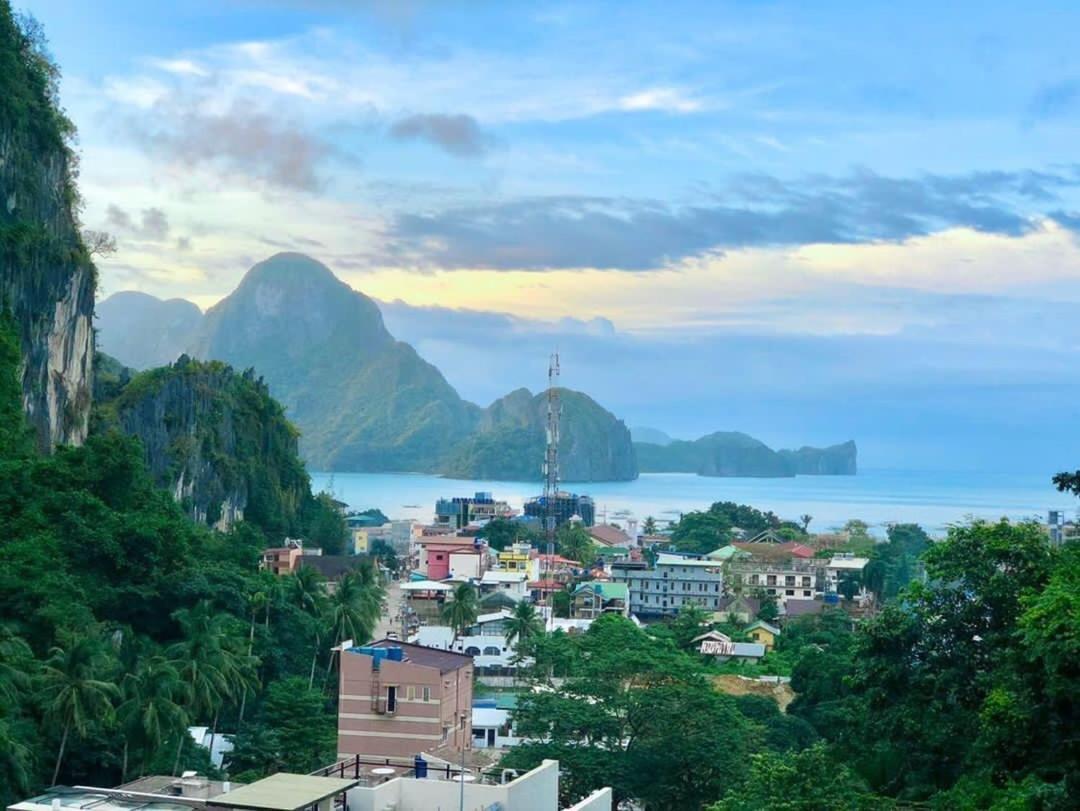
(395, 654)
(419, 767)
(832, 598)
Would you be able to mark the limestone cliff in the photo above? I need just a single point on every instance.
(46, 277)
(212, 437)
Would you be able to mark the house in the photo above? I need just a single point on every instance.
(764, 633)
(791, 609)
(484, 641)
(513, 584)
(743, 609)
(443, 557)
(773, 570)
(720, 645)
(594, 598)
(520, 557)
(282, 560)
(491, 726)
(841, 566)
(460, 511)
(674, 581)
(397, 699)
(425, 599)
(610, 535)
(354, 784)
(331, 567)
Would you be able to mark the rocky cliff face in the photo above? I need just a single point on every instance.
(735, 454)
(213, 438)
(142, 331)
(46, 277)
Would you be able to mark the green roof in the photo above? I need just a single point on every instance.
(607, 590)
(727, 553)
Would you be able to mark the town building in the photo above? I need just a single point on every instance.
(568, 506)
(763, 632)
(414, 784)
(513, 584)
(723, 648)
(674, 581)
(610, 535)
(484, 641)
(491, 726)
(397, 699)
(593, 598)
(739, 607)
(841, 566)
(520, 557)
(331, 567)
(441, 557)
(285, 559)
(460, 511)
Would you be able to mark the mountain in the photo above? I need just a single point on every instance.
(363, 401)
(142, 331)
(594, 445)
(47, 278)
(213, 438)
(736, 454)
(653, 436)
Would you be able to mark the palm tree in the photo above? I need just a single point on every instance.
(575, 543)
(306, 591)
(524, 624)
(462, 610)
(649, 527)
(15, 761)
(354, 609)
(15, 657)
(208, 664)
(150, 712)
(805, 520)
(71, 691)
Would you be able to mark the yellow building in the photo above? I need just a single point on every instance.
(520, 557)
(360, 541)
(764, 633)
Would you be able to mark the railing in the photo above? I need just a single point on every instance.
(360, 768)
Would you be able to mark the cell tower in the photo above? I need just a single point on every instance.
(551, 456)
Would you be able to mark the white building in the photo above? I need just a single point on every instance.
(513, 584)
(675, 581)
(841, 565)
(485, 641)
(492, 727)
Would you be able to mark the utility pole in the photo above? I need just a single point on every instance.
(551, 466)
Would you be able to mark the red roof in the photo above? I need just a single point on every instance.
(546, 585)
(609, 535)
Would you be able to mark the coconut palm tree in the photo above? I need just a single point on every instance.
(15, 658)
(207, 661)
(649, 527)
(354, 609)
(150, 712)
(71, 691)
(307, 593)
(805, 520)
(15, 761)
(462, 610)
(524, 624)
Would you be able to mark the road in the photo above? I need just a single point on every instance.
(391, 618)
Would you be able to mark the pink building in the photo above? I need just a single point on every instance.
(441, 558)
(398, 699)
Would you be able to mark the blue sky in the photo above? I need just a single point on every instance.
(797, 200)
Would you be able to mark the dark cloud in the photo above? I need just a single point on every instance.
(752, 210)
(457, 134)
(243, 139)
(153, 224)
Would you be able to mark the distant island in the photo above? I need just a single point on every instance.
(366, 402)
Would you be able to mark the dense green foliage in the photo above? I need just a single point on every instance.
(123, 621)
(736, 454)
(702, 532)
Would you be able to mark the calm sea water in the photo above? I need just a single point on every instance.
(934, 499)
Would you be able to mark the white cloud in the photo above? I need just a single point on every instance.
(666, 99)
(180, 67)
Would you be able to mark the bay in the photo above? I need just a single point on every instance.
(934, 499)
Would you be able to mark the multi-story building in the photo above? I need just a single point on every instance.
(440, 557)
(282, 560)
(520, 557)
(673, 582)
(598, 597)
(779, 576)
(397, 699)
(460, 511)
(567, 506)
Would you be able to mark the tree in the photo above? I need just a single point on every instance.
(355, 607)
(561, 601)
(806, 781)
(307, 593)
(649, 527)
(805, 520)
(768, 610)
(524, 624)
(16, 659)
(575, 543)
(150, 712)
(73, 692)
(461, 611)
(691, 622)
(502, 532)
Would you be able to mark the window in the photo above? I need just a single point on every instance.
(438, 557)
(410, 693)
(427, 694)
(391, 698)
(790, 592)
(771, 580)
(789, 580)
(807, 594)
(472, 650)
(806, 582)
(491, 650)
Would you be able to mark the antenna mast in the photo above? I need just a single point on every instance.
(551, 456)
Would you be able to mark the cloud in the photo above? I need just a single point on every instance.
(241, 139)
(457, 134)
(153, 225)
(666, 99)
(751, 211)
(180, 67)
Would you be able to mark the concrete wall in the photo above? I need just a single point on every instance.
(599, 800)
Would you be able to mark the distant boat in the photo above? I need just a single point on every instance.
(410, 506)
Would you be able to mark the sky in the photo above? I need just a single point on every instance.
(808, 221)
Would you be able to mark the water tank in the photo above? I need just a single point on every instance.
(832, 598)
(419, 767)
(395, 654)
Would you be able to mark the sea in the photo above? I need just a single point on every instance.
(933, 499)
